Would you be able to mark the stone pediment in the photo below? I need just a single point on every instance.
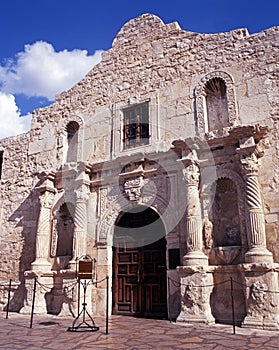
(142, 26)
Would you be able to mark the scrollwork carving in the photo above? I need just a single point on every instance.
(133, 188)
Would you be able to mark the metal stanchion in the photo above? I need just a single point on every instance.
(86, 271)
(9, 296)
(233, 316)
(107, 303)
(78, 296)
(169, 300)
(33, 302)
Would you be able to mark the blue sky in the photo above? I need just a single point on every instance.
(46, 46)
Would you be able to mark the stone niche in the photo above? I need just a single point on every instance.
(226, 230)
(216, 104)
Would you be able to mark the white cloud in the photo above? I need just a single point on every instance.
(10, 121)
(41, 71)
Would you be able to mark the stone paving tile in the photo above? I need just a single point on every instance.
(50, 333)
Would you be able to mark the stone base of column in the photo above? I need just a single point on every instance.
(258, 255)
(196, 287)
(262, 301)
(41, 265)
(40, 306)
(195, 258)
(260, 323)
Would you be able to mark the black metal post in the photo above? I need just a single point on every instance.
(232, 306)
(168, 301)
(33, 302)
(78, 296)
(9, 296)
(107, 303)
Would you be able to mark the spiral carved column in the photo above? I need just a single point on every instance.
(47, 192)
(80, 224)
(80, 221)
(194, 242)
(254, 212)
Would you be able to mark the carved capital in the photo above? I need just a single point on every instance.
(81, 195)
(191, 174)
(249, 164)
(46, 199)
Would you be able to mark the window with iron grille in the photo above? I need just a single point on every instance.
(136, 125)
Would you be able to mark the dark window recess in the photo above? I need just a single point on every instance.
(136, 125)
(174, 258)
(72, 140)
(1, 163)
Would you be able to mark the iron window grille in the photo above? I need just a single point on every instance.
(136, 125)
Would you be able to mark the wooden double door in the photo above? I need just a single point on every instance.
(139, 280)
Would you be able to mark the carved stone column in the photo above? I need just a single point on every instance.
(47, 192)
(80, 222)
(254, 207)
(79, 246)
(194, 239)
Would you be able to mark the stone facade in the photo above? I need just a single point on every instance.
(204, 158)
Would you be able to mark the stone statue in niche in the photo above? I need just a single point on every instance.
(207, 233)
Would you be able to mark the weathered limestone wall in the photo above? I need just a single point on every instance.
(18, 215)
(148, 60)
(164, 63)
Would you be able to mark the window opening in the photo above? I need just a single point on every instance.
(72, 141)
(136, 125)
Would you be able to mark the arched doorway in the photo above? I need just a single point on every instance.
(139, 264)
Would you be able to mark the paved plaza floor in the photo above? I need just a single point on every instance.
(50, 332)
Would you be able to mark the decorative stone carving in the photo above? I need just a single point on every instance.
(133, 188)
(196, 287)
(191, 175)
(114, 206)
(47, 192)
(262, 300)
(207, 233)
(254, 207)
(258, 297)
(226, 255)
(80, 221)
(194, 239)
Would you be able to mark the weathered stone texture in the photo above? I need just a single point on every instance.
(230, 147)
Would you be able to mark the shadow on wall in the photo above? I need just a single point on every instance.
(26, 216)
